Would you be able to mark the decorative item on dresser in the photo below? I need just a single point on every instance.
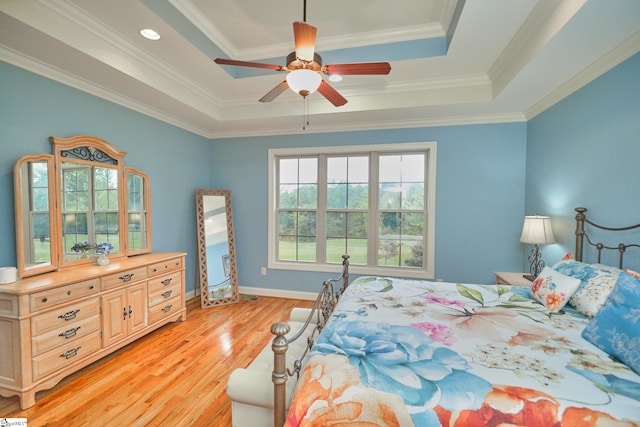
(73, 303)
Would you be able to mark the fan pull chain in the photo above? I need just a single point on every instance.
(305, 115)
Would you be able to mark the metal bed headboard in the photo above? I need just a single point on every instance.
(581, 235)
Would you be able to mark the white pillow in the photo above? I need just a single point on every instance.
(553, 289)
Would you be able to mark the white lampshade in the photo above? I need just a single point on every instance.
(303, 81)
(537, 230)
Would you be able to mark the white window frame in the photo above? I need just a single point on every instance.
(428, 269)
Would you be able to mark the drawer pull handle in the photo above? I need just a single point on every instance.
(69, 315)
(167, 308)
(70, 353)
(167, 294)
(70, 333)
(166, 281)
(130, 311)
(126, 277)
(124, 313)
(44, 299)
(91, 287)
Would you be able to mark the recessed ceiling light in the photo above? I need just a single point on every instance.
(150, 34)
(335, 78)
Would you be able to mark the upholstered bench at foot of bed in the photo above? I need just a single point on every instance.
(251, 389)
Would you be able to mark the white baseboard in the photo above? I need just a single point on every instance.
(279, 293)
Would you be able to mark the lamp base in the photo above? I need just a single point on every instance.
(529, 277)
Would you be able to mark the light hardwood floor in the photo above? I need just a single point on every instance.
(175, 376)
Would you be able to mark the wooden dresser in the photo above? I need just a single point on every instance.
(53, 324)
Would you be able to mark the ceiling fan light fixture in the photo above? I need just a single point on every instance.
(303, 81)
(335, 78)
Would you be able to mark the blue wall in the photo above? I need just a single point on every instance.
(585, 151)
(479, 198)
(33, 108)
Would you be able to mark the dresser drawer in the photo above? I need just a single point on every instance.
(63, 317)
(164, 267)
(65, 355)
(167, 308)
(52, 297)
(163, 282)
(123, 278)
(61, 336)
(167, 292)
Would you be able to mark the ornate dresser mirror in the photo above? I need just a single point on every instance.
(82, 193)
(216, 248)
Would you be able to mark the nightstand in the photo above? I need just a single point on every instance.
(510, 278)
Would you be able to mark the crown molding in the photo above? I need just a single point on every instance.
(45, 70)
(546, 19)
(621, 53)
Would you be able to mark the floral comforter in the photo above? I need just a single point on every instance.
(400, 352)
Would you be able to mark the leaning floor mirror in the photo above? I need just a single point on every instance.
(216, 248)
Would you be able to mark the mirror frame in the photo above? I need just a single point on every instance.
(202, 249)
(60, 146)
(147, 213)
(78, 145)
(21, 203)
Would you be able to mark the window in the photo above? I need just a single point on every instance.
(375, 203)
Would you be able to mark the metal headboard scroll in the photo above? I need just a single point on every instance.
(581, 234)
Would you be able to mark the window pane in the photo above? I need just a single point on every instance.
(413, 196)
(308, 196)
(413, 257)
(336, 169)
(358, 196)
(336, 196)
(308, 171)
(307, 249)
(412, 225)
(359, 169)
(357, 224)
(287, 248)
(288, 171)
(288, 223)
(388, 252)
(288, 197)
(412, 167)
(336, 224)
(390, 169)
(307, 224)
(390, 196)
(389, 225)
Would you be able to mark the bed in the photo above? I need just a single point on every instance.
(400, 352)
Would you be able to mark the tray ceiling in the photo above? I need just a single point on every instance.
(453, 61)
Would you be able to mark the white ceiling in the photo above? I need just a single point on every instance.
(507, 60)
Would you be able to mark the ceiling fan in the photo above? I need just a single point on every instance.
(304, 67)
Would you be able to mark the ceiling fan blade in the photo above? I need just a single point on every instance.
(304, 36)
(223, 61)
(362, 68)
(275, 92)
(331, 94)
